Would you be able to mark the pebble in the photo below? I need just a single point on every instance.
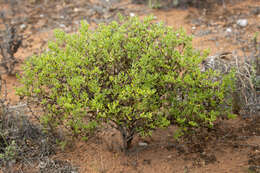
(229, 30)
(201, 33)
(42, 165)
(132, 14)
(256, 11)
(142, 144)
(242, 22)
(196, 22)
(23, 26)
(77, 22)
(62, 26)
(193, 28)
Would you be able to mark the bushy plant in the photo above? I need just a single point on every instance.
(9, 153)
(134, 75)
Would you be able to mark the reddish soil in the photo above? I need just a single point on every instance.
(232, 146)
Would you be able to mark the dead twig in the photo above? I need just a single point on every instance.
(10, 44)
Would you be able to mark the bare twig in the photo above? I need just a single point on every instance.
(10, 44)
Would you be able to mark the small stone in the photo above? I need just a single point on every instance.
(256, 11)
(42, 165)
(77, 22)
(242, 22)
(193, 28)
(132, 14)
(147, 161)
(142, 144)
(23, 26)
(201, 33)
(76, 9)
(229, 30)
(41, 15)
(62, 26)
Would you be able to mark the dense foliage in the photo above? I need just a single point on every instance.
(135, 75)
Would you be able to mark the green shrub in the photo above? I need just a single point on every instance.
(9, 152)
(134, 75)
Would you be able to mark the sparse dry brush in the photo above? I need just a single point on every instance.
(23, 142)
(246, 97)
(179, 3)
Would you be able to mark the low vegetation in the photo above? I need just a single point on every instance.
(135, 76)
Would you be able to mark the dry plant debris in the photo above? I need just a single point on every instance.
(247, 94)
(23, 142)
(10, 44)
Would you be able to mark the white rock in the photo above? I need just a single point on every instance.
(242, 22)
(229, 30)
(41, 15)
(193, 28)
(77, 22)
(142, 144)
(22, 26)
(132, 14)
(42, 165)
(62, 26)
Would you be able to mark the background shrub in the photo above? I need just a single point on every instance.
(201, 4)
(134, 75)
